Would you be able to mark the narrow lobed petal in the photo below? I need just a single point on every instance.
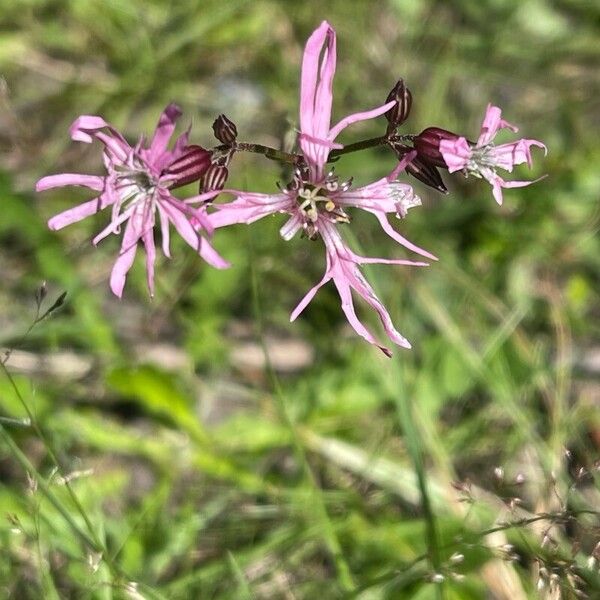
(77, 213)
(361, 116)
(163, 132)
(124, 262)
(456, 153)
(148, 240)
(492, 123)
(63, 179)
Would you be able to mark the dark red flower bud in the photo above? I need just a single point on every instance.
(427, 144)
(400, 111)
(215, 178)
(190, 166)
(225, 130)
(420, 169)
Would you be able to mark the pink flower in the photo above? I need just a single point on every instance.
(137, 186)
(483, 158)
(316, 201)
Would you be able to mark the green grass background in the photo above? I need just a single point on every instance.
(202, 470)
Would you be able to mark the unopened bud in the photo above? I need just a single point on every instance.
(190, 166)
(457, 557)
(400, 111)
(420, 169)
(427, 144)
(499, 473)
(437, 578)
(214, 178)
(225, 130)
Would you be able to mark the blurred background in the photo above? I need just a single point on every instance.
(210, 449)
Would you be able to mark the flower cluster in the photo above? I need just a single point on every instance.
(139, 182)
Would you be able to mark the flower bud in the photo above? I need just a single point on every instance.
(420, 169)
(190, 166)
(215, 178)
(225, 130)
(400, 111)
(427, 144)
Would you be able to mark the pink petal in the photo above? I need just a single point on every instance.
(387, 227)
(189, 234)
(53, 181)
(164, 131)
(291, 227)
(309, 296)
(320, 141)
(148, 239)
(361, 116)
(113, 226)
(247, 208)
(360, 285)
(86, 127)
(456, 153)
(516, 153)
(77, 213)
(211, 256)
(345, 293)
(369, 260)
(405, 160)
(164, 230)
(316, 98)
(182, 142)
(492, 123)
(498, 183)
(126, 257)
(383, 195)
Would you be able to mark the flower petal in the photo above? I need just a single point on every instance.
(124, 261)
(310, 295)
(316, 85)
(387, 227)
(86, 127)
(114, 225)
(456, 153)
(148, 239)
(53, 181)
(249, 207)
(291, 227)
(164, 230)
(193, 238)
(361, 116)
(77, 213)
(163, 132)
(516, 153)
(492, 123)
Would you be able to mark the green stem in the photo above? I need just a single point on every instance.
(267, 151)
(293, 158)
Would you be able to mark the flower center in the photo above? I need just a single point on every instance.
(135, 185)
(481, 157)
(315, 200)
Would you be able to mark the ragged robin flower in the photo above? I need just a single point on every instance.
(482, 159)
(317, 202)
(137, 186)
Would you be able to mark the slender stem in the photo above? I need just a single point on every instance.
(362, 145)
(293, 158)
(267, 151)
